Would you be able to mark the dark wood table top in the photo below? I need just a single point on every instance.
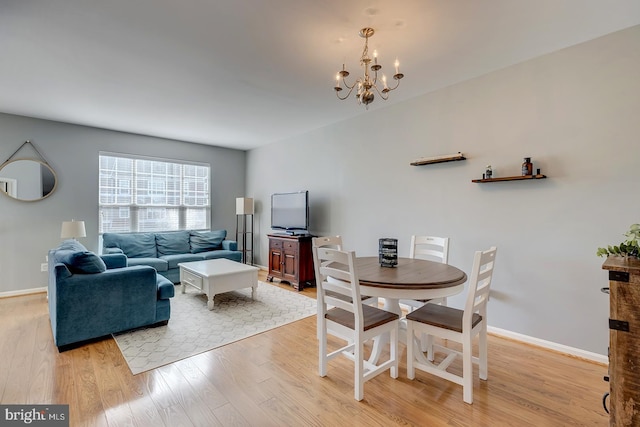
(410, 274)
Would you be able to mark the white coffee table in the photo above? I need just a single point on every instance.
(216, 276)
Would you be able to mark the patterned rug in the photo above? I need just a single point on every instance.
(194, 329)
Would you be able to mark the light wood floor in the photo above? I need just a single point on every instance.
(271, 380)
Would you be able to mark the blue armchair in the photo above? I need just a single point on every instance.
(92, 296)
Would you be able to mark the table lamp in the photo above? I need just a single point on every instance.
(72, 229)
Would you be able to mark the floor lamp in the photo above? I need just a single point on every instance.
(244, 227)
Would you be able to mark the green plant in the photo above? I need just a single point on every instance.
(630, 247)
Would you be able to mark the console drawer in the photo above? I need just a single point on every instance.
(291, 246)
(275, 244)
(188, 278)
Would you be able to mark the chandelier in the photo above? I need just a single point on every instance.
(367, 84)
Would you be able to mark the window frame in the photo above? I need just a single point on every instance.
(150, 194)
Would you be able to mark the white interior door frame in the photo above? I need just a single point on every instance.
(9, 186)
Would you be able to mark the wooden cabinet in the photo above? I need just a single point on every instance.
(624, 340)
(291, 260)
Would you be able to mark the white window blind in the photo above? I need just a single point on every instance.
(143, 194)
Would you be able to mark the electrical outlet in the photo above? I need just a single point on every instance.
(44, 267)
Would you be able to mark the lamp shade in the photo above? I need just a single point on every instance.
(244, 206)
(72, 229)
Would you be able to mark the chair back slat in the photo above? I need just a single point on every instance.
(334, 242)
(431, 248)
(479, 284)
(336, 275)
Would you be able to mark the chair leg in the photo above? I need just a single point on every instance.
(482, 353)
(394, 352)
(411, 372)
(467, 370)
(359, 372)
(322, 352)
(424, 345)
(426, 341)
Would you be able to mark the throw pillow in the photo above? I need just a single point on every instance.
(83, 262)
(173, 243)
(203, 241)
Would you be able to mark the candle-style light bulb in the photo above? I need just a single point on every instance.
(337, 79)
(375, 56)
(397, 65)
(384, 81)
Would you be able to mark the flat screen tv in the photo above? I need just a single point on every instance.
(290, 211)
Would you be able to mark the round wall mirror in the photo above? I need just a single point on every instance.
(27, 180)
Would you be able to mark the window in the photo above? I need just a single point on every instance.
(143, 194)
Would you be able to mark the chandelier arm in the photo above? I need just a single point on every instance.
(395, 87)
(382, 94)
(349, 87)
(347, 95)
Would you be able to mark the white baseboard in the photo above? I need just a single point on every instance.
(23, 292)
(571, 351)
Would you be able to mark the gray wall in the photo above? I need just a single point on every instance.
(575, 112)
(29, 229)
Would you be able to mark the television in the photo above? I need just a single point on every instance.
(290, 211)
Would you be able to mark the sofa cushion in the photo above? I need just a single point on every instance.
(176, 242)
(134, 245)
(202, 241)
(232, 255)
(111, 251)
(83, 262)
(157, 263)
(174, 260)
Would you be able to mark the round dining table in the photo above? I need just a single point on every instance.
(415, 279)
(410, 279)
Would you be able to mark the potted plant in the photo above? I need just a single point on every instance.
(629, 248)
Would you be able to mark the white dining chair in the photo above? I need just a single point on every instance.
(335, 242)
(456, 325)
(349, 319)
(431, 248)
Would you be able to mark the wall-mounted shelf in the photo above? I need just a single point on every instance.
(439, 159)
(510, 178)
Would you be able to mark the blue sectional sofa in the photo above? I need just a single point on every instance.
(163, 251)
(91, 296)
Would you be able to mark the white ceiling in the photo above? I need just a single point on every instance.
(244, 73)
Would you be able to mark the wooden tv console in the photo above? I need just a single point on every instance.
(291, 260)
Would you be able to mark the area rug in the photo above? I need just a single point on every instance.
(194, 329)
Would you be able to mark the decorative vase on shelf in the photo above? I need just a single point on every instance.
(488, 173)
(527, 167)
